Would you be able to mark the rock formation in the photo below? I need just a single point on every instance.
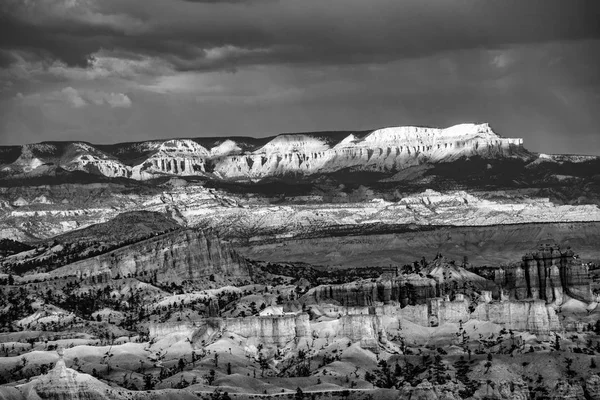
(383, 149)
(189, 255)
(418, 300)
(548, 274)
(532, 316)
(267, 330)
(436, 280)
(567, 391)
(411, 289)
(275, 330)
(62, 383)
(592, 387)
(366, 329)
(504, 390)
(425, 390)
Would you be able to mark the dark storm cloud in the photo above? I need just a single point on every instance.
(208, 35)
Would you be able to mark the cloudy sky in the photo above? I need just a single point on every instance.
(123, 70)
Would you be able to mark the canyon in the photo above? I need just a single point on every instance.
(403, 261)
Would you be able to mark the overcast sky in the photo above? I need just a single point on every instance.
(125, 70)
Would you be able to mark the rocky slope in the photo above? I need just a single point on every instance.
(191, 256)
(384, 149)
(62, 383)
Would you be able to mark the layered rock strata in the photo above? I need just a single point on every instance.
(367, 329)
(547, 274)
(276, 330)
(268, 330)
(383, 149)
(190, 255)
(411, 289)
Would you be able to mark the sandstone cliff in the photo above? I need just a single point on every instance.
(268, 330)
(411, 289)
(366, 329)
(532, 316)
(382, 149)
(548, 274)
(188, 255)
(275, 330)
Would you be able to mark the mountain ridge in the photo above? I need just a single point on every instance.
(226, 158)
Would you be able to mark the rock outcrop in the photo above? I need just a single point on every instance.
(592, 387)
(189, 255)
(516, 389)
(366, 329)
(548, 274)
(567, 391)
(267, 330)
(382, 149)
(272, 330)
(440, 279)
(427, 391)
(411, 289)
(62, 383)
(533, 316)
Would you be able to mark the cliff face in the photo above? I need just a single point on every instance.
(532, 316)
(189, 255)
(382, 149)
(547, 274)
(274, 330)
(410, 289)
(364, 328)
(439, 279)
(268, 330)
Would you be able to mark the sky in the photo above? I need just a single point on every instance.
(107, 71)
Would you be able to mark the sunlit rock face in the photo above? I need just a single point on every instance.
(277, 330)
(62, 383)
(267, 330)
(364, 328)
(384, 149)
(533, 316)
(516, 389)
(548, 274)
(173, 157)
(186, 255)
